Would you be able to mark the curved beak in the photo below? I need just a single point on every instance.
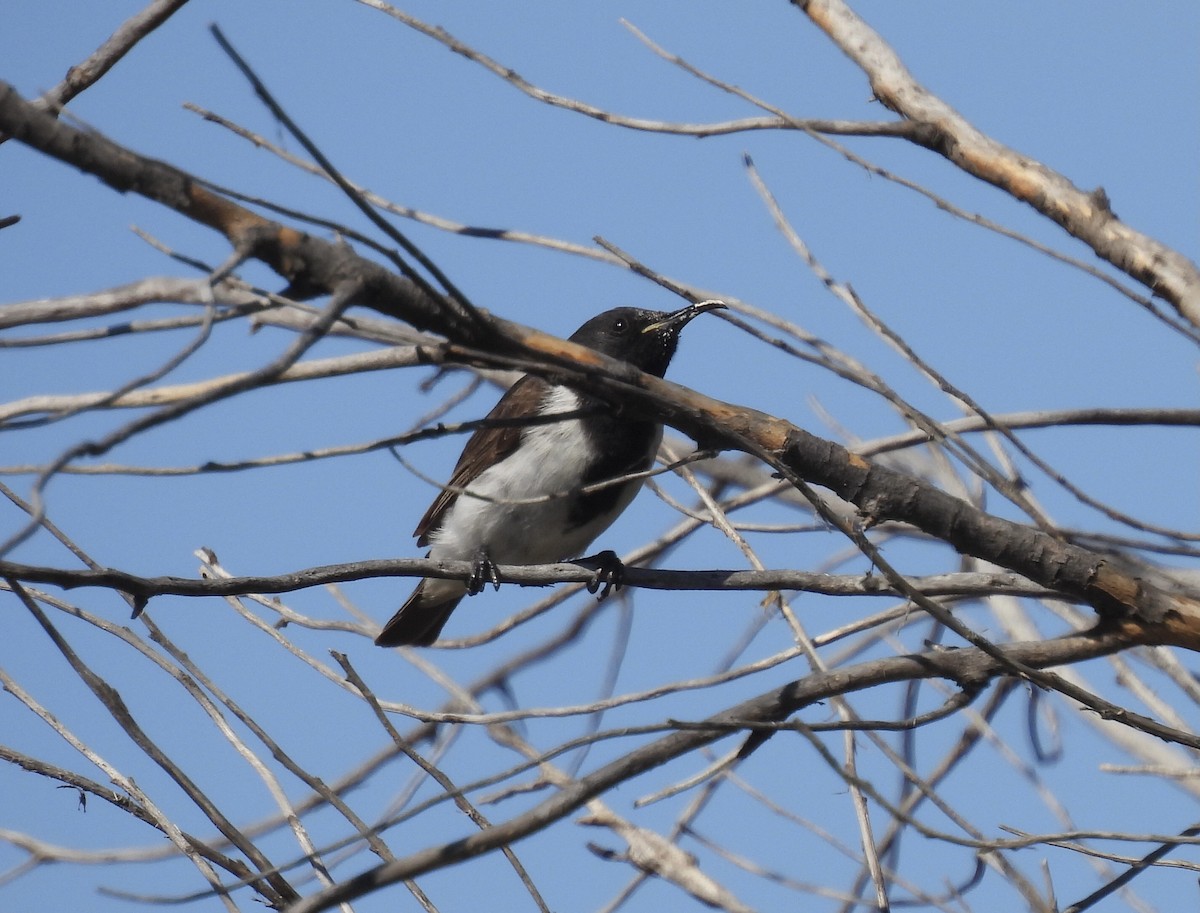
(677, 320)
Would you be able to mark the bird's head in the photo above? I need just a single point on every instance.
(645, 339)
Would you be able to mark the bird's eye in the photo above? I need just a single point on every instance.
(620, 325)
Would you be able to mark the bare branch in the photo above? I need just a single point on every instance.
(967, 664)
(961, 585)
(125, 298)
(1018, 626)
(105, 57)
(1086, 216)
(274, 888)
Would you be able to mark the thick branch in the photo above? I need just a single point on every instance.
(1083, 215)
(884, 494)
(311, 265)
(318, 266)
(105, 57)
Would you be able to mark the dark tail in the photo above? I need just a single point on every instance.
(421, 619)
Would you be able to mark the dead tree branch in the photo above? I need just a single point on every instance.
(317, 266)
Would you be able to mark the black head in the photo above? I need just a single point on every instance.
(645, 339)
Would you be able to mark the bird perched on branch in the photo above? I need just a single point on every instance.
(514, 496)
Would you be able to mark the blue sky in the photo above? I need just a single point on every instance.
(1106, 95)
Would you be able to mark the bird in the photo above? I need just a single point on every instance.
(514, 496)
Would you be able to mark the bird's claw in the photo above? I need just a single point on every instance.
(608, 575)
(482, 573)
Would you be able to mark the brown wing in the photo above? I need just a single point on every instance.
(485, 448)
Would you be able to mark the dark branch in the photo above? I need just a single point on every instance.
(879, 493)
(972, 585)
(967, 667)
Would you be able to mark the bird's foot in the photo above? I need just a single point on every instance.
(609, 572)
(483, 573)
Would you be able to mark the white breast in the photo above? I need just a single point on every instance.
(549, 462)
